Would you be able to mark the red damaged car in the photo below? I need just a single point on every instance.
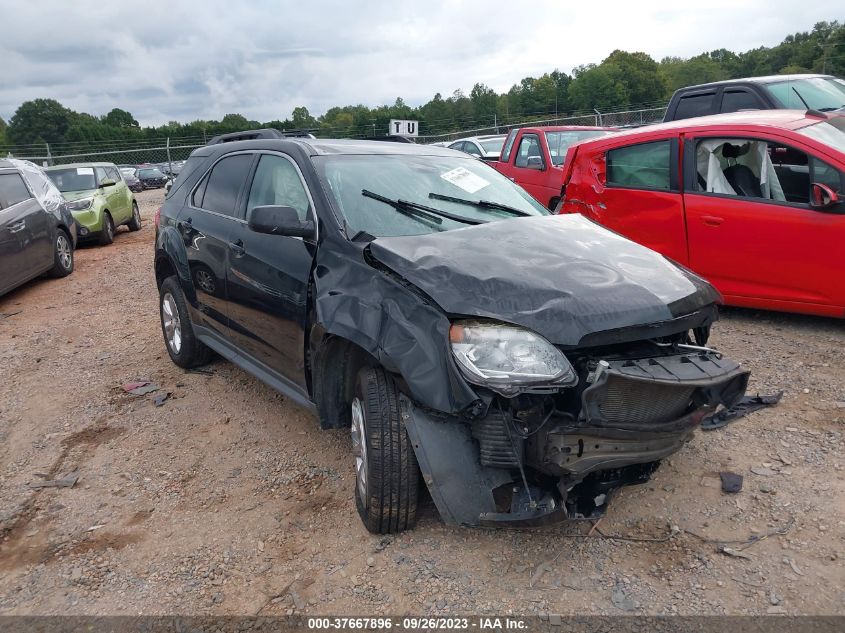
(752, 201)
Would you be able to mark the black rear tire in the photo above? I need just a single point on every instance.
(389, 504)
(135, 223)
(189, 352)
(62, 255)
(107, 234)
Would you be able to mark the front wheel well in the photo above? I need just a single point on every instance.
(163, 269)
(336, 363)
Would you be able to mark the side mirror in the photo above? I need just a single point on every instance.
(107, 182)
(535, 162)
(280, 220)
(822, 196)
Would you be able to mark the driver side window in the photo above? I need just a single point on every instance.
(529, 147)
(277, 182)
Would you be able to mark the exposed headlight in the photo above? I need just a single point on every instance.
(80, 205)
(506, 358)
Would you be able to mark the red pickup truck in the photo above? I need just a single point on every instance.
(533, 157)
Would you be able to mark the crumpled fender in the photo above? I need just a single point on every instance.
(406, 333)
(170, 246)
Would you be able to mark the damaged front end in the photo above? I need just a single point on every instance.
(555, 452)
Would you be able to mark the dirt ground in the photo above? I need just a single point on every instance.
(227, 499)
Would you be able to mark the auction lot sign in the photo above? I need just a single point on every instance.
(498, 623)
(400, 127)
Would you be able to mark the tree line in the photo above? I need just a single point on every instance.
(622, 80)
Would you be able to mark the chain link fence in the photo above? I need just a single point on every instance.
(162, 151)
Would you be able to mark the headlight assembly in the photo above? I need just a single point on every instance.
(80, 205)
(507, 358)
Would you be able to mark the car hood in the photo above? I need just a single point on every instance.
(70, 196)
(562, 276)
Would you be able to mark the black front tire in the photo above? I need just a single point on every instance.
(135, 223)
(189, 352)
(107, 234)
(392, 474)
(62, 255)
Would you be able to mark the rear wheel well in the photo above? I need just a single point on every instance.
(337, 362)
(163, 269)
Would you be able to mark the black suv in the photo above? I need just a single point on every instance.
(522, 365)
(823, 93)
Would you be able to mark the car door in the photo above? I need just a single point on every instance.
(122, 196)
(530, 167)
(766, 247)
(16, 204)
(642, 198)
(207, 223)
(267, 278)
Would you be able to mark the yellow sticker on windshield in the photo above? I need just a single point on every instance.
(465, 179)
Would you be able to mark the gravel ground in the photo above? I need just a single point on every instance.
(227, 499)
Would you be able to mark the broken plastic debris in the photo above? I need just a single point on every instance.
(731, 482)
(160, 398)
(748, 404)
(734, 552)
(139, 388)
(67, 481)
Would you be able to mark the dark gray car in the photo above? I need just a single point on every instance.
(37, 232)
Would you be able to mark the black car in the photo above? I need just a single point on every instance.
(822, 93)
(523, 365)
(131, 179)
(37, 232)
(151, 177)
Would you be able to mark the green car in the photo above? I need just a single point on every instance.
(98, 198)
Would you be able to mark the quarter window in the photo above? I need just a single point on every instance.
(644, 166)
(220, 192)
(12, 190)
(277, 182)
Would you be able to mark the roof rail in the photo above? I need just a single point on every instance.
(263, 133)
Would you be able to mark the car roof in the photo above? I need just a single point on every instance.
(325, 147)
(756, 80)
(569, 128)
(5, 164)
(777, 119)
(67, 165)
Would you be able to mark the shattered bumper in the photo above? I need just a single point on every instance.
(633, 413)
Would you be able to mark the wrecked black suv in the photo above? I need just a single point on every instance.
(522, 365)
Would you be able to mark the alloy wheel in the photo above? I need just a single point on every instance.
(172, 324)
(64, 251)
(359, 447)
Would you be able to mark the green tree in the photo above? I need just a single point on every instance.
(598, 87)
(2, 131)
(119, 118)
(302, 119)
(38, 121)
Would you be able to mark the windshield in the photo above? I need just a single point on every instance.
(150, 173)
(816, 93)
(73, 178)
(559, 142)
(493, 145)
(831, 133)
(414, 179)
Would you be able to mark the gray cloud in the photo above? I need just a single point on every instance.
(202, 59)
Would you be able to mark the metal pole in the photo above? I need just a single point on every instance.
(49, 155)
(169, 165)
(495, 123)
(598, 116)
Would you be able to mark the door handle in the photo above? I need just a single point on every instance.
(17, 227)
(237, 248)
(711, 220)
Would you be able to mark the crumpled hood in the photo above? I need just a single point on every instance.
(70, 196)
(562, 276)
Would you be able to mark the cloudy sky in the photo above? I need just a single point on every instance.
(189, 59)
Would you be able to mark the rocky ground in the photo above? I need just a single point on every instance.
(227, 499)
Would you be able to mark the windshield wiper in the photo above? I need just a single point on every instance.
(484, 204)
(415, 209)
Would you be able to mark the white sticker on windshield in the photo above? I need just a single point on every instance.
(84, 171)
(465, 179)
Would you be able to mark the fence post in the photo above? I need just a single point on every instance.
(49, 156)
(598, 117)
(169, 166)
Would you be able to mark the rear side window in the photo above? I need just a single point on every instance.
(695, 105)
(644, 166)
(12, 190)
(113, 174)
(221, 187)
(736, 100)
